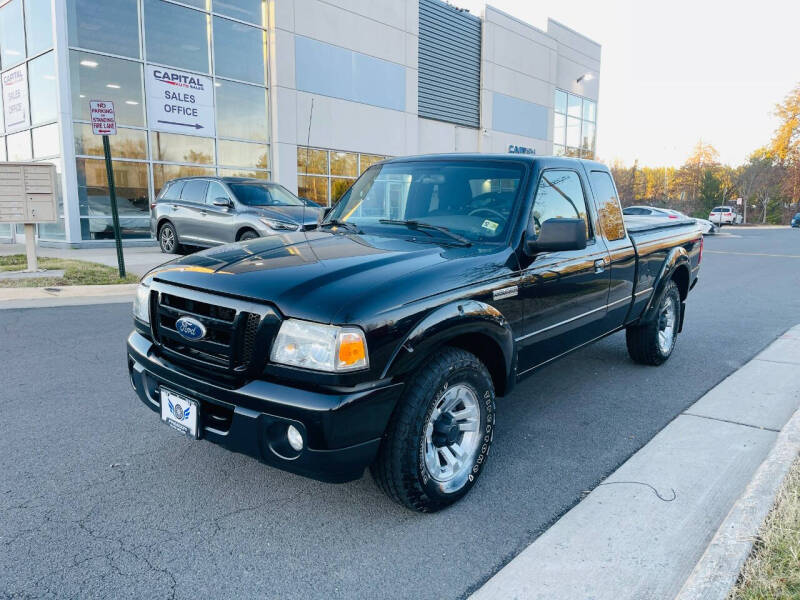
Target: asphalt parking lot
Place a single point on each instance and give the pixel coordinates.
(99, 499)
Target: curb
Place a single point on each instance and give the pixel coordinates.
(719, 567)
(39, 297)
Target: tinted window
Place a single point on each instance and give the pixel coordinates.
(38, 26)
(244, 10)
(241, 111)
(12, 34)
(238, 51)
(257, 194)
(173, 190)
(187, 49)
(114, 28)
(42, 82)
(560, 196)
(113, 79)
(283, 196)
(215, 190)
(607, 205)
(194, 191)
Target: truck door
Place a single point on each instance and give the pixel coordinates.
(565, 293)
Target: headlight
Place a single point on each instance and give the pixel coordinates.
(141, 304)
(279, 225)
(320, 347)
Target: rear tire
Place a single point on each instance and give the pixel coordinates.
(652, 343)
(168, 239)
(439, 437)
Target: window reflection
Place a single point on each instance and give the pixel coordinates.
(172, 147)
(119, 81)
(245, 10)
(313, 188)
(243, 154)
(128, 143)
(344, 163)
(243, 173)
(45, 141)
(12, 34)
(113, 29)
(19, 146)
(38, 26)
(187, 49)
(43, 92)
(310, 160)
(241, 111)
(239, 51)
(130, 179)
(163, 173)
(574, 125)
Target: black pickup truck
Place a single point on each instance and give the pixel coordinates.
(383, 337)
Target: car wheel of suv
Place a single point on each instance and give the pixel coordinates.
(168, 239)
(652, 343)
(439, 437)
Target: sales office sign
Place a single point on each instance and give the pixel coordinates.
(15, 98)
(179, 102)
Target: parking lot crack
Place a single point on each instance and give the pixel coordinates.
(655, 491)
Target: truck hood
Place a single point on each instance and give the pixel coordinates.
(335, 277)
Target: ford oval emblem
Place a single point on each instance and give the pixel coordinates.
(190, 328)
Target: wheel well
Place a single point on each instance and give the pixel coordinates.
(490, 354)
(161, 224)
(681, 279)
(242, 231)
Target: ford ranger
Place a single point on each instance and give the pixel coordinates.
(382, 338)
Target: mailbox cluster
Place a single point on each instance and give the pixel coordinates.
(27, 193)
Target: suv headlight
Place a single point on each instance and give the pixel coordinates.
(279, 225)
(320, 347)
(141, 303)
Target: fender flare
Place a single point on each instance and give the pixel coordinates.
(444, 324)
(677, 258)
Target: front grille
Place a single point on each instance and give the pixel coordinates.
(236, 332)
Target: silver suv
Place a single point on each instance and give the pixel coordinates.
(206, 211)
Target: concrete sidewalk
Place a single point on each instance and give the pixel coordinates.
(641, 532)
(138, 260)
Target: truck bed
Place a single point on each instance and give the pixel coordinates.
(636, 224)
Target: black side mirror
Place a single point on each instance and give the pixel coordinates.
(557, 234)
(223, 202)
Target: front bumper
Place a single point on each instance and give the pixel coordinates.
(342, 429)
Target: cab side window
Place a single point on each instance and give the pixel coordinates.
(608, 206)
(172, 191)
(215, 190)
(559, 196)
(194, 191)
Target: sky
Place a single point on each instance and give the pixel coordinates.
(673, 73)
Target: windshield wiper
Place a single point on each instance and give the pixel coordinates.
(343, 224)
(412, 224)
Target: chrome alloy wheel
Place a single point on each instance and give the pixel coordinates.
(167, 239)
(667, 320)
(452, 438)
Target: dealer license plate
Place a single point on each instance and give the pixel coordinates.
(180, 413)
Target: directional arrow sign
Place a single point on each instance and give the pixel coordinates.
(179, 101)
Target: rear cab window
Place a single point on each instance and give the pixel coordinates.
(560, 196)
(611, 222)
(172, 190)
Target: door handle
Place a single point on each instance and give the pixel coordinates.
(599, 265)
(174, 207)
(203, 212)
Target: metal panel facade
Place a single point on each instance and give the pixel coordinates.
(449, 64)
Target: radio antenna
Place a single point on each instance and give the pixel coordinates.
(308, 149)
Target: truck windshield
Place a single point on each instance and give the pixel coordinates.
(471, 199)
(262, 194)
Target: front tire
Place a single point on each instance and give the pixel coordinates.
(439, 437)
(652, 343)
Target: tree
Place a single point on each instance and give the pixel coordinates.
(785, 145)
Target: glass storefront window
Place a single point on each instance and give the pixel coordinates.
(574, 127)
(338, 187)
(243, 173)
(103, 228)
(573, 132)
(313, 188)
(54, 231)
(120, 81)
(561, 102)
(241, 111)
(367, 160)
(128, 143)
(251, 11)
(43, 92)
(239, 51)
(589, 110)
(310, 160)
(112, 28)
(164, 173)
(19, 146)
(172, 147)
(45, 141)
(574, 106)
(344, 163)
(12, 34)
(242, 154)
(38, 26)
(587, 137)
(187, 49)
(559, 129)
(130, 179)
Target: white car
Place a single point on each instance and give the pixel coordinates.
(651, 211)
(724, 215)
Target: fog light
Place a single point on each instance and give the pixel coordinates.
(295, 438)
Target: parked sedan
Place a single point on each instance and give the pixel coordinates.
(650, 211)
(206, 211)
(796, 220)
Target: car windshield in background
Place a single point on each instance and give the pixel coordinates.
(471, 199)
(261, 194)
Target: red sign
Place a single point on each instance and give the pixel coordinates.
(103, 121)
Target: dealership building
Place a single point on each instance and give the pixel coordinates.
(307, 93)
